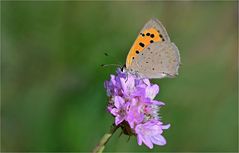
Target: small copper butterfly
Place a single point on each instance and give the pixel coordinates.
(153, 55)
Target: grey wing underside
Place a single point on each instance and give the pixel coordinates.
(158, 60)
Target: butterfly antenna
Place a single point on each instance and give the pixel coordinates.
(106, 65)
(115, 59)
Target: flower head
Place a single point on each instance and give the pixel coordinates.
(151, 133)
(131, 102)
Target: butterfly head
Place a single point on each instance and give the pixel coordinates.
(123, 68)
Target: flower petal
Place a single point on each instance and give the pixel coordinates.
(159, 140)
(166, 126)
(118, 120)
(114, 111)
(152, 91)
(148, 142)
(139, 139)
(142, 133)
(118, 101)
(158, 102)
(139, 92)
(112, 79)
(128, 84)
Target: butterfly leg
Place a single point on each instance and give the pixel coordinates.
(126, 77)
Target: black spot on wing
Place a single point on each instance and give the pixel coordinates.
(141, 44)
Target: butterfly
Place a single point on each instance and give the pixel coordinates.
(153, 55)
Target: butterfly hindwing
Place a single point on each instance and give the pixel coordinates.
(158, 60)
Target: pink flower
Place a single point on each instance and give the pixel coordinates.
(131, 102)
(151, 133)
(151, 91)
(120, 109)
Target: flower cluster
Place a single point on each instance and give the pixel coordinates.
(134, 108)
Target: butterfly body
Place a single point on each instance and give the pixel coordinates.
(153, 55)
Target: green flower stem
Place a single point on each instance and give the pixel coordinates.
(101, 145)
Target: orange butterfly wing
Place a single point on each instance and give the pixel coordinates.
(145, 38)
(153, 31)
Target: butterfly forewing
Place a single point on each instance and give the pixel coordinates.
(158, 26)
(153, 31)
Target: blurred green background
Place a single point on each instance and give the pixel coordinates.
(53, 97)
